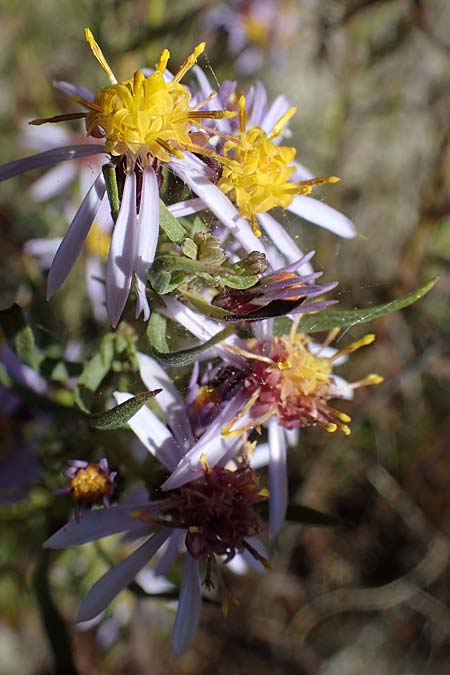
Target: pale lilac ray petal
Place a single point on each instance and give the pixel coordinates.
(263, 330)
(238, 564)
(71, 245)
(222, 125)
(173, 548)
(211, 444)
(259, 105)
(189, 605)
(187, 207)
(53, 182)
(277, 477)
(292, 436)
(73, 90)
(44, 137)
(203, 329)
(94, 525)
(278, 108)
(284, 242)
(197, 324)
(341, 388)
(117, 578)
(260, 456)
(48, 157)
(327, 352)
(122, 252)
(169, 399)
(153, 434)
(219, 204)
(153, 584)
(323, 215)
(252, 562)
(148, 225)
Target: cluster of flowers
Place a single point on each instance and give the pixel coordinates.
(226, 150)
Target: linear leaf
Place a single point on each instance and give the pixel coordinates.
(170, 225)
(120, 414)
(335, 318)
(185, 357)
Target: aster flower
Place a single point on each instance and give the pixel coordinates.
(268, 176)
(256, 28)
(211, 518)
(283, 383)
(90, 484)
(145, 121)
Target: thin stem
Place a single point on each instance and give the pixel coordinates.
(109, 174)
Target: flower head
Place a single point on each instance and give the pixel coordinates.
(264, 180)
(210, 519)
(216, 510)
(145, 117)
(90, 484)
(290, 378)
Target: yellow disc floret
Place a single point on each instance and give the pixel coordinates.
(90, 485)
(263, 180)
(145, 118)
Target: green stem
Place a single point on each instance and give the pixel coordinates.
(109, 174)
(54, 625)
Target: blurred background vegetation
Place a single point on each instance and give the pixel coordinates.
(371, 82)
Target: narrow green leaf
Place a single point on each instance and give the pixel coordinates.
(335, 318)
(120, 414)
(185, 357)
(170, 225)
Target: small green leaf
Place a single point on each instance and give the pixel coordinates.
(156, 333)
(26, 348)
(240, 282)
(185, 357)
(120, 414)
(161, 281)
(99, 366)
(335, 318)
(189, 248)
(170, 225)
(19, 335)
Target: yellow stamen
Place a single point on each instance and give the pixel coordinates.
(331, 427)
(163, 60)
(263, 180)
(369, 380)
(204, 462)
(363, 342)
(278, 127)
(190, 61)
(242, 121)
(97, 52)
